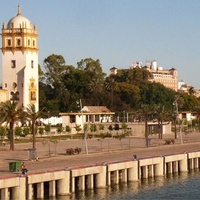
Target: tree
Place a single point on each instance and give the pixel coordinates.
(138, 76)
(129, 95)
(191, 90)
(95, 75)
(10, 113)
(32, 116)
(145, 113)
(161, 114)
(76, 83)
(110, 86)
(156, 93)
(188, 102)
(55, 70)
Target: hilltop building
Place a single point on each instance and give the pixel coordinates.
(169, 78)
(20, 60)
(183, 87)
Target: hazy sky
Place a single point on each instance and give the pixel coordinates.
(117, 32)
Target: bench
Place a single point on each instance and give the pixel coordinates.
(73, 151)
(169, 141)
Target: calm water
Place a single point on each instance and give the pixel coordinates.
(184, 186)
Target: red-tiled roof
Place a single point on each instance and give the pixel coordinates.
(96, 109)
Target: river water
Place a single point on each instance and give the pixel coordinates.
(183, 186)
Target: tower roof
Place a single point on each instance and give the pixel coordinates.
(19, 21)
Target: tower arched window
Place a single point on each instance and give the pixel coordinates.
(18, 42)
(9, 42)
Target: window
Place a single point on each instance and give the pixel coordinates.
(33, 42)
(33, 97)
(29, 43)
(5, 85)
(14, 96)
(13, 63)
(9, 42)
(97, 118)
(18, 42)
(32, 64)
(14, 85)
(72, 119)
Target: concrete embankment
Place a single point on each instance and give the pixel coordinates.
(71, 179)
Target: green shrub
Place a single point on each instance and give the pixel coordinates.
(3, 131)
(68, 129)
(60, 128)
(47, 128)
(26, 131)
(18, 131)
(41, 130)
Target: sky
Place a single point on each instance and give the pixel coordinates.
(117, 32)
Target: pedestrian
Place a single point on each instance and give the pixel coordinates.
(23, 168)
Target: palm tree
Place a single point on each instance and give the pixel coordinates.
(173, 117)
(32, 116)
(10, 113)
(110, 86)
(145, 113)
(161, 115)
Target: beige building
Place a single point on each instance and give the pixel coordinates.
(20, 60)
(88, 114)
(169, 78)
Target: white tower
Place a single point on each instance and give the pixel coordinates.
(20, 60)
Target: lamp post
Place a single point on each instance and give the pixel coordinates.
(177, 115)
(85, 135)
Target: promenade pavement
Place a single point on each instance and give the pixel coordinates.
(52, 156)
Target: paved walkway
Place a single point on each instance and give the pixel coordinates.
(52, 155)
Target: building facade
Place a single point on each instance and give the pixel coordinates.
(20, 60)
(87, 115)
(169, 78)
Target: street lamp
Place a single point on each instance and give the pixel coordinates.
(177, 115)
(85, 135)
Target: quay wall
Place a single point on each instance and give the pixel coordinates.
(69, 180)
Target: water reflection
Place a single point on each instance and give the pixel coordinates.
(177, 186)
